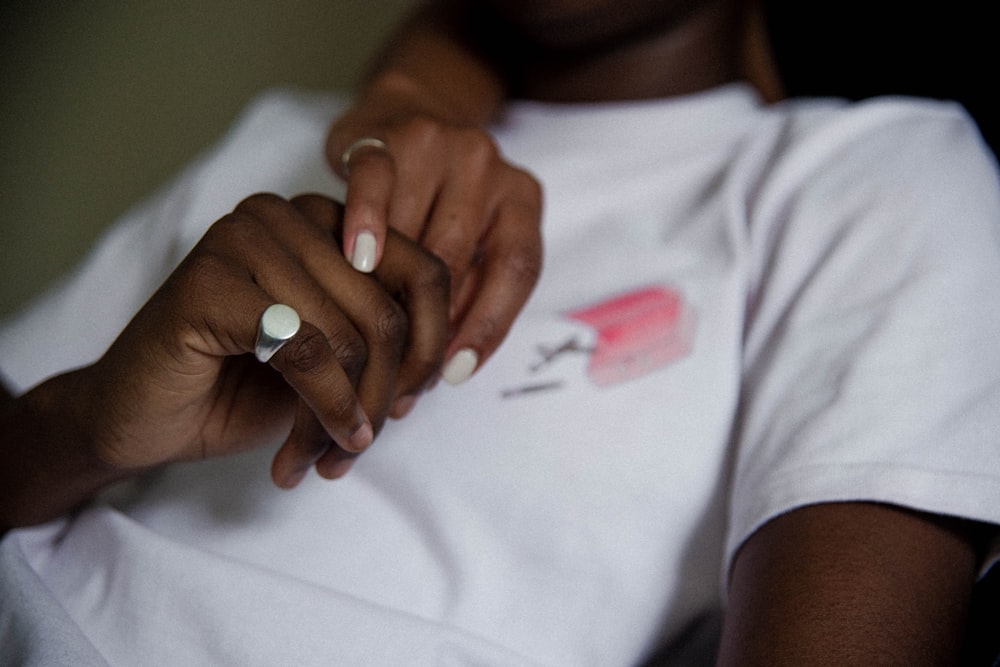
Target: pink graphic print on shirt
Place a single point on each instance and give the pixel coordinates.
(637, 333)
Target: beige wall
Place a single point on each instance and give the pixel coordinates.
(102, 100)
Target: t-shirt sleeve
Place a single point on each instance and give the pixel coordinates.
(872, 345)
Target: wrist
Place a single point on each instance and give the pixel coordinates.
(395, 92)
(49, 450)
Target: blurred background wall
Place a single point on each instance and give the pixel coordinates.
(101, 101)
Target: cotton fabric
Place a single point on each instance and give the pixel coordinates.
(744, 309)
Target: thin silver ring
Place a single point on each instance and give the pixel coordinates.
(278, 325)
(363, 142)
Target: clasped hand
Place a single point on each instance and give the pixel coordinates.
(181, 382)
(446, 185)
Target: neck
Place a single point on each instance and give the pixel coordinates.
(701, 50)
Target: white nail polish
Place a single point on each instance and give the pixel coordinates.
(460, 367)
(363, 258)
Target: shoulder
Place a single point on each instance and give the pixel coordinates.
(887, 138)
(913, 166)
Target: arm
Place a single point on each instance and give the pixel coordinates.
(441, 179)
(180, 384)
(438, 61)
(851, 584)
(46, 471)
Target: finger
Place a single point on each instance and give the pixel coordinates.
(371, 179)
(422, 163)
(492, 296)
(307, 362)
(305, 445)
(379, 318)
(335, 463)
(419, 281)
(323, 360)
(461, 216)
(311, 367)
(287, 253)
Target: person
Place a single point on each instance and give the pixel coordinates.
(758, 373)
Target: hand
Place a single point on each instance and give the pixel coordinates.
(446, 186)
(181, 383)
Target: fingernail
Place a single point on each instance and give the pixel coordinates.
(402, 406)
(360, 439)
(460, 367)
(293, 480)
(363, 258)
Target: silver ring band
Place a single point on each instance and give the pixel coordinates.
(363, 142)
(277, 326)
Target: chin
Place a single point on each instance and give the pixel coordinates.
(589, 24)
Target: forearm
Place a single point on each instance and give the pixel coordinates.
(48, 464)
(851, 584)
(438, 62)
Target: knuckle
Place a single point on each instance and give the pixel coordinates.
(321, 212)
(391, 324)
(240, 237)
(261, 202)
(315, 204)
(524, 265)
(448, 254)
(343, 409)
(200, 270)
(423, 130)
(478, 146)
(306, 353)
(351, 353)
(487, 328)
(234, 230)
(529, 189)
(434, 276)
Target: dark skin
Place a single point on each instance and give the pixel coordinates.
(596, 51)
(180, 384)
(845, 583)
(837, 583)
(852, 584)
(445, 76)
(442, 182)
(370, 345)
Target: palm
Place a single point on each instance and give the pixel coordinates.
(249, 405)
(165, 408)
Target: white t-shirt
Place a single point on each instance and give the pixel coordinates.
(744, 309)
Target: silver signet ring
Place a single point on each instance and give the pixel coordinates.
(278, 325)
